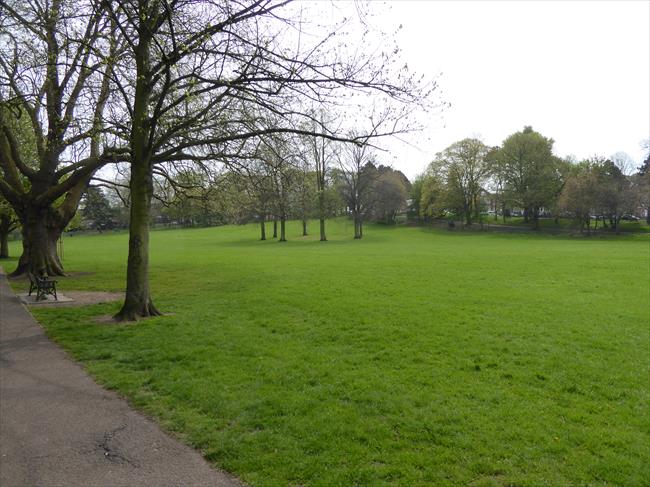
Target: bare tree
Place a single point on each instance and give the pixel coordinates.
(318, 154)
(208, 76)
(276, 153)
(357, 174)
(56, 59)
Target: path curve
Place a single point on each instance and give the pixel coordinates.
(59, 428)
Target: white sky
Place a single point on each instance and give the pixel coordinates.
(577, 71)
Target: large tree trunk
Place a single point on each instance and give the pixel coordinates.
(275, 228)
(323, 237)
(138, 303)
(4, 245)
(282, 230)
(6, 226)
(262, 230)
(304, 228)
(41, 230)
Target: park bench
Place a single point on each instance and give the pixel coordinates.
(43, 286)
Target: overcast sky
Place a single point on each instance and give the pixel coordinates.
(578, 72)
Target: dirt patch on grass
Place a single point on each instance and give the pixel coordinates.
(84, 298)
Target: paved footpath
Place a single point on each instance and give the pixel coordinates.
(59, 428)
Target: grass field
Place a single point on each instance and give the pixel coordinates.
(412, 357)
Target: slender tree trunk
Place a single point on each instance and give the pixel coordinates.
(323, 238)
(41, 230)
(304, 228)
(357, 232)
(275, 228)
(262, 230)
(321, 208)
(282, 230)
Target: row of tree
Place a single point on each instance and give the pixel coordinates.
(280, 187)
(524, 175)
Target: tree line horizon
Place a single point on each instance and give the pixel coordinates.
(461, 183)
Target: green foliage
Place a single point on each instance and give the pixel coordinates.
(409, 358)
(532, 174)
(415, 195)
(580, 193)
(599, 187)
(464, 171)
(432, 197)
(390, 191)
(96, 211)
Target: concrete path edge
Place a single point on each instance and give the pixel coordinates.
(60, 428)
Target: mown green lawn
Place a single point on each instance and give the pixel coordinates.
(412, 357)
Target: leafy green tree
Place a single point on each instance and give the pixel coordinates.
(615, 192)
(642, 183)
(464, 171)
(97, 209)
(390, 191)
(532, 175)
(580, 195)
(415, 197)
(432, 199)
